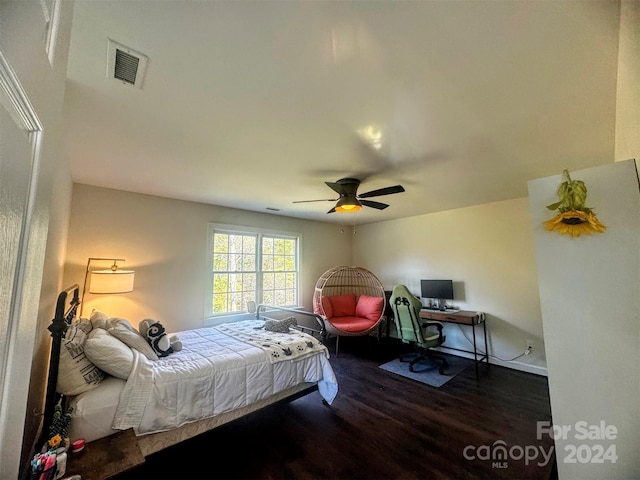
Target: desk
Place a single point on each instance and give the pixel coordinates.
(462, 317)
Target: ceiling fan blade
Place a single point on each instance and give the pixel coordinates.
(332, 210)
(337, 187)
(320, 200)
(372, 204)
(382, 191)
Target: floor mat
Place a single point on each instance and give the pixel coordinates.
(427, 372)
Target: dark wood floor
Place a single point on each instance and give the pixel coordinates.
(381, 426)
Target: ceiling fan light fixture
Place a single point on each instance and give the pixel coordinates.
(350, 201)
(348, 204)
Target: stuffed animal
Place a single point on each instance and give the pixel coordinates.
(157, 337)
(280, 326)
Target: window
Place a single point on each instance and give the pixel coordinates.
(252, 266)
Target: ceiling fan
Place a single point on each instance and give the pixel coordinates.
(349, 199)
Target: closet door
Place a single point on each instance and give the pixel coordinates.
(20, 139)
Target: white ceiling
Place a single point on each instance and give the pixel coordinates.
(254, 104)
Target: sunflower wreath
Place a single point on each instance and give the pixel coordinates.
(574, 218)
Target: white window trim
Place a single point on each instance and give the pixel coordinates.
(208, 313)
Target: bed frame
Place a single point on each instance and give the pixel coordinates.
(66, 308)
(320, 332)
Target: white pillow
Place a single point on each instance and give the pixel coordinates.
(76, 373)
(108, 353)
(99, 319)
(112, 322)
(132, 338)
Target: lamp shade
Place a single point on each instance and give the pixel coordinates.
(110, 281)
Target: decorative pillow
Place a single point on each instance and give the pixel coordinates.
(157, 338)
(112, 322)
(326, 306)
(343, 305)
(99, 319)
(108, 353)
(76, 373)
(280, 326)
(83, 324)
(133, 339)
(370, 307)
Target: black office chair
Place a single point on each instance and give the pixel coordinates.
(416, 331)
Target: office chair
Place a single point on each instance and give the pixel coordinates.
(416, 331)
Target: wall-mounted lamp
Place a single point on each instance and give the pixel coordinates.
(109, 281)
(348, 204)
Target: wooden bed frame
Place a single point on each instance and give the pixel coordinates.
(66, 308)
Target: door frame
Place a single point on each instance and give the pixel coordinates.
(17, 353)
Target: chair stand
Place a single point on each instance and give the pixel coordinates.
(338, 341)
(415, 358)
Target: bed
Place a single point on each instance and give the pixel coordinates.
(221, 373)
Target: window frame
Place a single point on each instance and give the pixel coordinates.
(259, 233)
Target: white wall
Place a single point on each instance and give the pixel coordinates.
(165, 242)
(486, 249)
(22, 30)
(628, 85)
(488, 252)
(21, 40)
(591, 309)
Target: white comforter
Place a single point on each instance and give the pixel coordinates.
(212, 374)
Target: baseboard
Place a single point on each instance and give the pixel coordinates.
(524, 367)
(514, 365)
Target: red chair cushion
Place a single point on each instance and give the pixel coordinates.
(326, 306)
(343, 305)
(370, 307)
(352, 324)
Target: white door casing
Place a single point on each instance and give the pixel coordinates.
(20, 143)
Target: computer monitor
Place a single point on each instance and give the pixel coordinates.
(440, 290)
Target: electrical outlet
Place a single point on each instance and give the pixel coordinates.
(530, 347)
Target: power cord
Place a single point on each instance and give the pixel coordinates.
(526, 352)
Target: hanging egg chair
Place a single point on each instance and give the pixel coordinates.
(350, 300)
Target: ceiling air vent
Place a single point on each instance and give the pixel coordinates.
(125, 64)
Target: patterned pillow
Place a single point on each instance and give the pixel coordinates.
(76, 373)
(280, 326)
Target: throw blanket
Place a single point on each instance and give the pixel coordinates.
(279, 346)
(213, 373)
